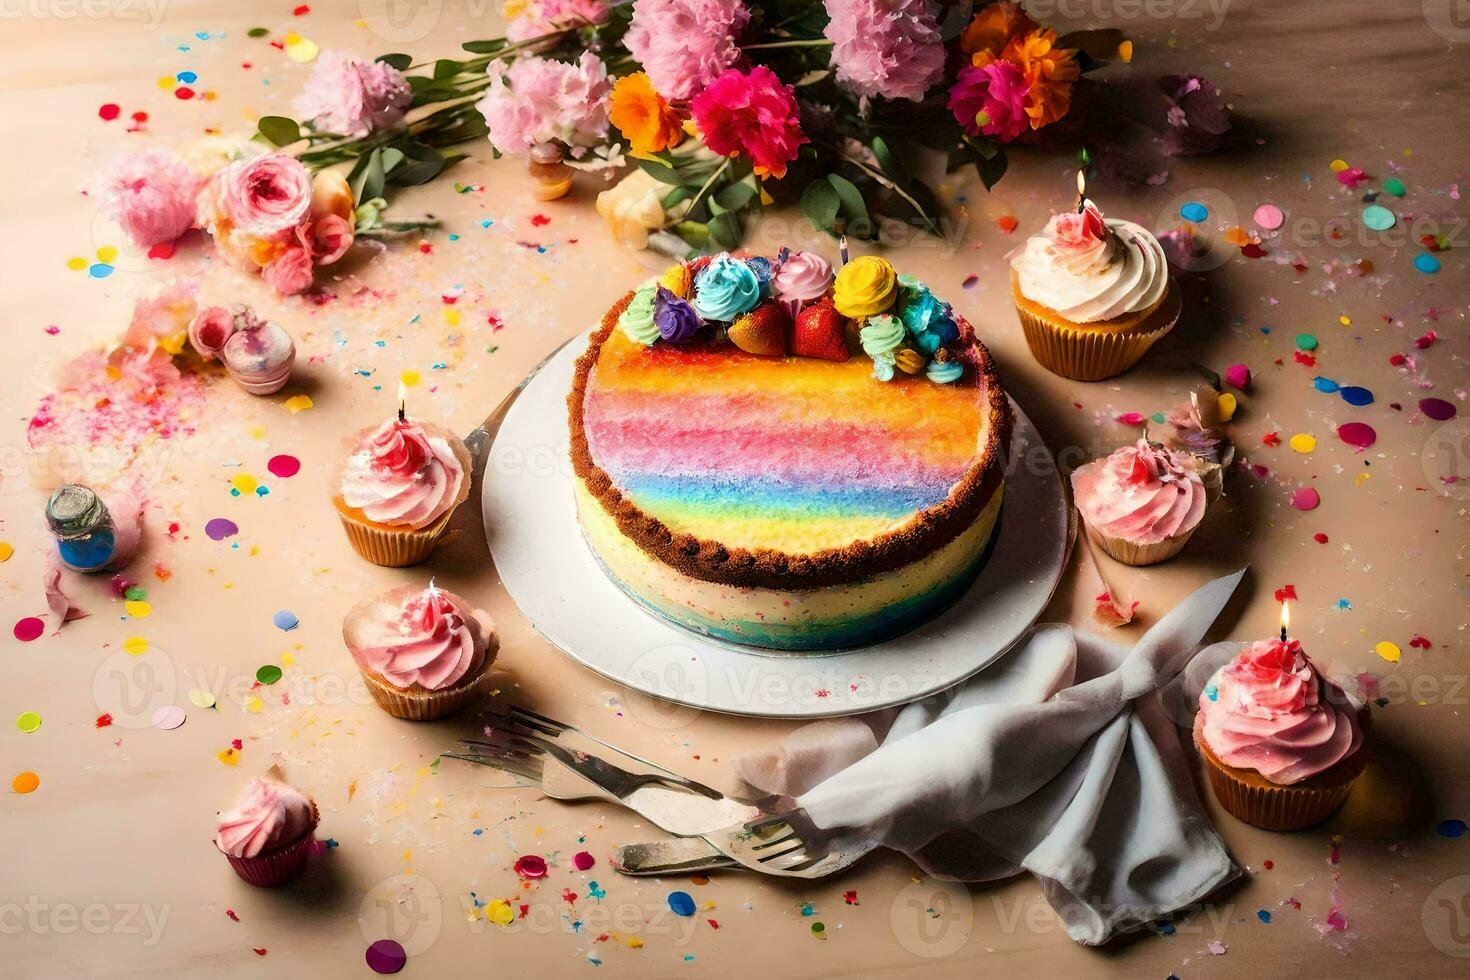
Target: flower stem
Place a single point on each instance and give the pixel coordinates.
(694, 203)
(816, 42)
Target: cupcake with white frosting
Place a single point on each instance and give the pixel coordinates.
(398, 488)
(1093, 294)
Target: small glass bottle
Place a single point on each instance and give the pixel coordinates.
(82, 526)
(551, 177)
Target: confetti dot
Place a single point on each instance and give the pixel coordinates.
(1238, 376)
(6, 550)
(1437, 409)
(201, 698)
(1306, 498)
(1227, 405)
(1194, 211)
(135, 646)
(1269, 217)
(168, 717)
(108, 111)
(183, 93)
(297, 403)
(1306, 341)
(76, 263)
(500, 912)
(1356, 396)
(28, 721)
(1394, 186)
(386, 956)
(1451, 828)
(286, 620)
(1303, 443)
(268, 674)
(165, 82)
(284, 466)
(681, 903)
(1359, 435)
(411, 379)
(1325, 385)
(187, 77)
(138, 608)
(26, 782)
(300, 50)
(1338, 166)
(1388, 650)
(583, 860)
(1426, 263)
(531, 866)
(220, 528)
(99, 270)
(244, 483)
(29, 629)
(1378, 217)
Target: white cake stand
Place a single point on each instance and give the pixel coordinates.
(531, 527)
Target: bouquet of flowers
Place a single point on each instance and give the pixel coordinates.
(723, 107)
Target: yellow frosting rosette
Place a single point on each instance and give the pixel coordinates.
(865, 286)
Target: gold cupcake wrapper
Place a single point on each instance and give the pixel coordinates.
(1273, 807)
(1136, 553)
(1091, 354)
(427, 705)
(395, 547)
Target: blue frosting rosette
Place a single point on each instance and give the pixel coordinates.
(726, 288)
(930, 321)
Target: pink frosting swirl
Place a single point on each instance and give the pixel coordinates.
(403, 475)
(268, 814)
(425, 637)
(804, 276)
(1270, 710)
(1143, 493)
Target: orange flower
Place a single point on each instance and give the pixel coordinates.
(990, 31)
(1050, 72)
(642, 115)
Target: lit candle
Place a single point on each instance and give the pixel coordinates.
(402, 400)
(1081, 190)
(842, 248)
(1285, 619)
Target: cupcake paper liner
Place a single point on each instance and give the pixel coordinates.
(1138, 553)
(276, 867)
(1248, 796)
(1092, 353)
(427, 705)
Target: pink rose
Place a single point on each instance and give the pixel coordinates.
(266, 196)
(327, 238)
(290, 272)
(209, 330)
(1074, 231)
(151, 195)
(351, 97)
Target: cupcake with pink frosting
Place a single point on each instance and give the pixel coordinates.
(398, 487)
(425, 653)
(1141, 503)
(1282, 742)
(266, 834)
(802, 279)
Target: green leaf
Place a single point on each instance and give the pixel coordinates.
(886, 160)
(446, 68)
(820, 203)
(853, 204)
(368, 183)
(279, 130)
(992, 170)
(725, 230)
(399, 61)
(257, 32)
(693, 232)
(676, 196)
(484, 47)
(422, 164)
(1100, 45)
(392, 157)
(735, 196)
(660, 171)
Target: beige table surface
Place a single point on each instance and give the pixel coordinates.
(108, 868)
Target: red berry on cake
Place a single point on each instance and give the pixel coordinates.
(819, 332)
(762, 330)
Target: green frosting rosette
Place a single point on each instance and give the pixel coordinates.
(636, 322)
(880, 336)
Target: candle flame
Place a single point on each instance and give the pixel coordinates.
(1285, 616)
(402, 399)
(1081, 183)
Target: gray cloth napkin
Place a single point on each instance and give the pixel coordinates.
(1057, 761)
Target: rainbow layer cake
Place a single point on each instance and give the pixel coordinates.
(781, 457)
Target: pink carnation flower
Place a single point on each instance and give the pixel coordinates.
(999, 92)
(290, 272)
(751, 113)
(887, 48)
(351, 97)
(684, 44)
(535, 100)
(543, 17)
(151, 195)
(263, 198)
